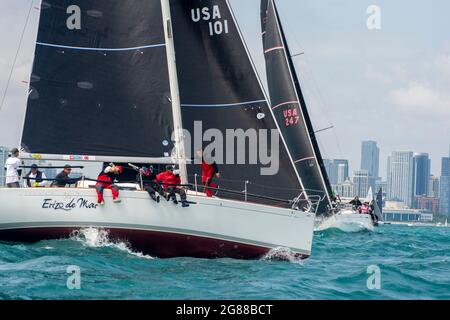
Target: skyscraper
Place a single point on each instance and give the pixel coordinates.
(362, 182)
(422, 167)
(370, 158)
(342, 173)
(444, 193)
(337, 170)
(401, 177)
(445, 167)
(328, 164)
(3, 157)
(433, 187)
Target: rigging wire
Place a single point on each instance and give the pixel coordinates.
(16, 55)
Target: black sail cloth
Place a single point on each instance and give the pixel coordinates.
(289, 107)
(219, 87)
(100, 82)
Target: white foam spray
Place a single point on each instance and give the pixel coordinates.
(99, 238)
(282, 254)
(343, 225)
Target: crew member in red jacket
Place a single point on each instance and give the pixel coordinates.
(170, 181)
(105, 180)
(209, 172)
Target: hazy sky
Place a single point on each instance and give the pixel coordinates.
(389, 85)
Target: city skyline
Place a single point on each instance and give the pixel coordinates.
(383, 166)
(371, 85)
(409, 181)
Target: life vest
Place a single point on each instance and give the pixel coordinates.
(168, 179)
(365, 209)
(208, 171)
(106, 177)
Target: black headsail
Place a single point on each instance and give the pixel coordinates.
(220, 88)
(288, 105)
(100, 83)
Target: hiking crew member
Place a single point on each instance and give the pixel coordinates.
(148, 177)
(62, 179)
(170, 182)
(35, 178)
(13, 172)
(105, 180)
(209, 172)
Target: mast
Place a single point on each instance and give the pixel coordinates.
(174, 91)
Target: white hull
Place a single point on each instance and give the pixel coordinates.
(209, 228)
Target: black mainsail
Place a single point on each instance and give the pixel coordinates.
(219, 86)
(100, 83)
(288, 105)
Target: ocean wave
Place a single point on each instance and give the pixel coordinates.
(99, 238)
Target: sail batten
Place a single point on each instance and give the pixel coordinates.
(238, 104)
(100, 49)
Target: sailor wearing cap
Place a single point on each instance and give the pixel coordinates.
(62, 179)
(105, 180)
(35, 178)
(12, 167)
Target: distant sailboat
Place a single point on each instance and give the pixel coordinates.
(369, 196)
(291, 113)
(115, 89)
(289, 107)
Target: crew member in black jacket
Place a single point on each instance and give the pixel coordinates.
(63, 179)
(147, 177)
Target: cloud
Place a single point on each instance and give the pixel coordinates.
(386, 75)
(442, 63)
(420, 99)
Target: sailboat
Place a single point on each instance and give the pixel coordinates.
(118, 81)
(291, 112)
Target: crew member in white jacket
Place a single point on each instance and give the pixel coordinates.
(13, 171)
(35, 178)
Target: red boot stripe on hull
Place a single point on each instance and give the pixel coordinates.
(154, 243)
